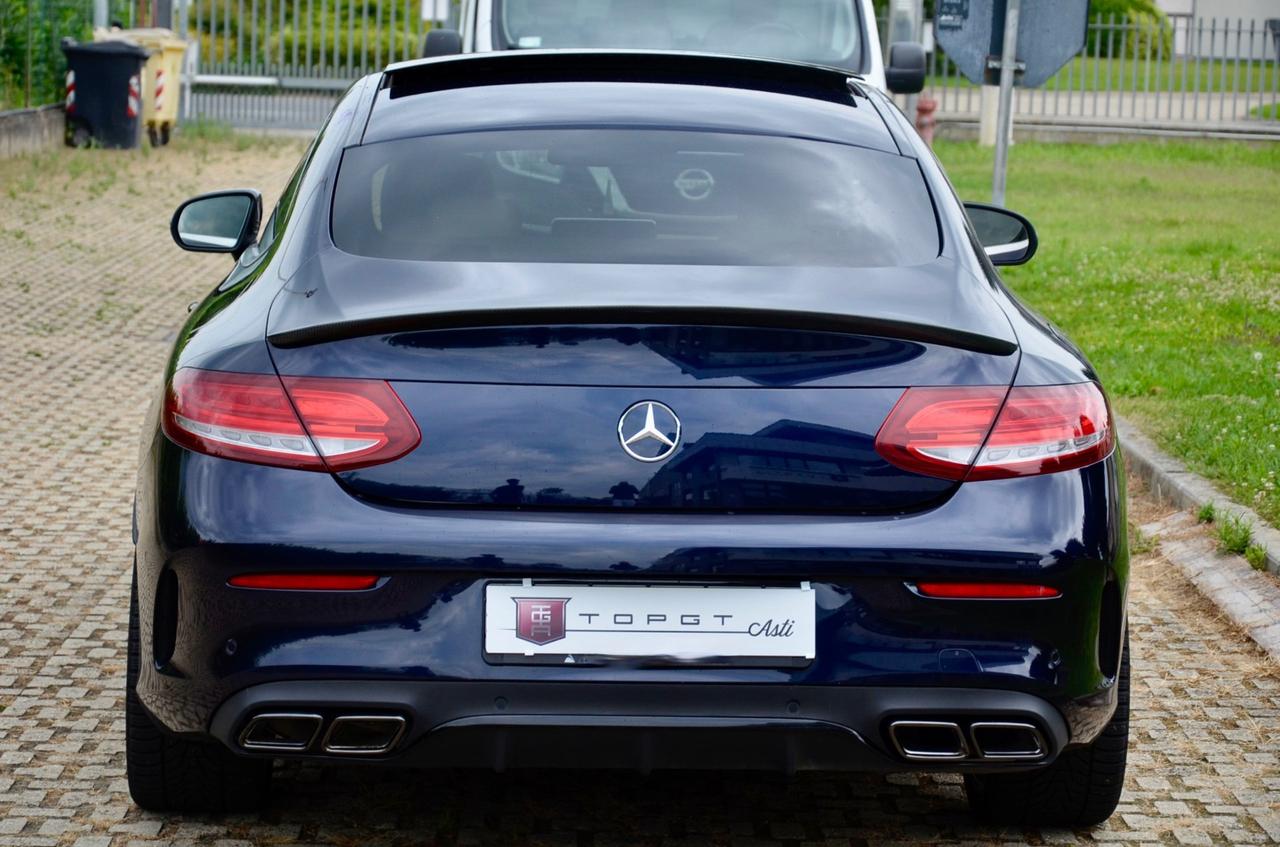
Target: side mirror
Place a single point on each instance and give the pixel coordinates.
(1007, 237)
(220, 222)
(441, 42)
(905, 72)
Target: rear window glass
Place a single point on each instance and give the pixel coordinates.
(636, 197)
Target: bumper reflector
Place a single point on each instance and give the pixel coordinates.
(985, 591)
(305, 581)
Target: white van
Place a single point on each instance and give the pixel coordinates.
(839, 33)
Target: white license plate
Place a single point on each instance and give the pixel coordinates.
(681, 621)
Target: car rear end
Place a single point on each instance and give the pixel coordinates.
(561, 457)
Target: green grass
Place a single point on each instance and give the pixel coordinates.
(1235, 535)
(1161, 262)
(1206, 514)
(1256, 556)
(1266, 112)
(1203, 75)
(1139, 542)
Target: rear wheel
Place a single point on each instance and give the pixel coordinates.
(169, 773)
(1081, 788)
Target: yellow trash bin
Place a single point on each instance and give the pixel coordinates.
(160, 76)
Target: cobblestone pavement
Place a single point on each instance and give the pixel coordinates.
(90, 289)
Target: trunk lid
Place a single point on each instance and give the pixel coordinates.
(519, 377)
(770, 420)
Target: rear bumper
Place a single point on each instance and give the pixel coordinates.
(202, 520)
(501, 725)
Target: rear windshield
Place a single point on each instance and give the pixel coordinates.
(825, 32)
(636, 197)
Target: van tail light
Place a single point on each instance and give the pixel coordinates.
(978, 433)
(309, 423)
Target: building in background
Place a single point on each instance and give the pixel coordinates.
(1244, 29)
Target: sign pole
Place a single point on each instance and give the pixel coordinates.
(1008, 61)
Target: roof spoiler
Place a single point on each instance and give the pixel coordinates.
(647, 315)
(676, 68)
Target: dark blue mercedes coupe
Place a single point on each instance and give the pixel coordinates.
(625, 410)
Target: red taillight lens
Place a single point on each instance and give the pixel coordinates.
(966, 432)
(304, 581)
(349, 423)
(1045, 430)
(938, 431)
(354, 423)
(986, 591)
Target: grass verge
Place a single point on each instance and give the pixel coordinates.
(1160, 261)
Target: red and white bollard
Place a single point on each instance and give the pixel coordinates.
(71, 91)
(925, 120)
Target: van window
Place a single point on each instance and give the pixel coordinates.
(825, 32)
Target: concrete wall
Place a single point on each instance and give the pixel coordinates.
(30, 130)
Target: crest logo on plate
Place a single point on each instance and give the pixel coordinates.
(695, 184)
(649, 431)
(540, 620)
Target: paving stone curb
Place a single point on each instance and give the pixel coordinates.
(1251, 599)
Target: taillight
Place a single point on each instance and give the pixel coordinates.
(319, 424)
(938, 431)
(966, 432)
(1045, 430)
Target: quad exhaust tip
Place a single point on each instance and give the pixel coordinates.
(363, 735)
(1007, 740)
(347, 735)
(931, 741)
(286, 732)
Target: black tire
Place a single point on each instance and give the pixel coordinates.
(1081, 788)
(170, 773)
(153, 135)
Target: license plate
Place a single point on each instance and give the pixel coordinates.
(686, 622)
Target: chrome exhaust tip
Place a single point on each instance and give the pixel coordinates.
(363, 735)
(928, 740)
(284, 732)
(1008, 740)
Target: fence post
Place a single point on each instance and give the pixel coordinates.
(1248, 69)
(26, 95)
(1235, 75)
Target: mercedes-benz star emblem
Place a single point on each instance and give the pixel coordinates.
(649, 431)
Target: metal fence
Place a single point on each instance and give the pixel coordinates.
(282, 63)
(1183, 74)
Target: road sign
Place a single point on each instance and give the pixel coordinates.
(1050, 33)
